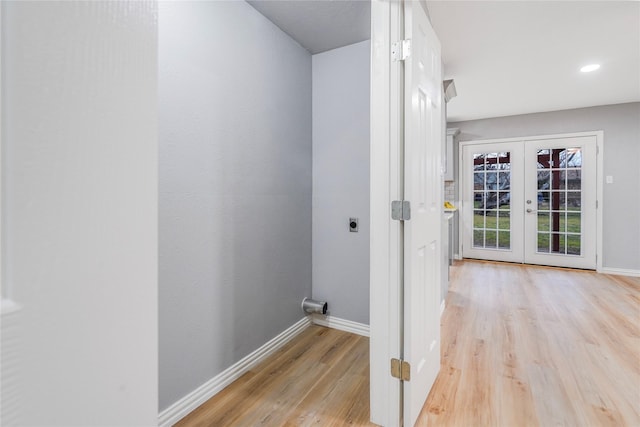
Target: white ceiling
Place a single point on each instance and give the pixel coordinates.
(512, 58)
(319, 25)
(507, 57)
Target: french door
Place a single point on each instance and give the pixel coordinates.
(531, 201)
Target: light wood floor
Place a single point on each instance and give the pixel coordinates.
(320, 378)
(521, 346)
(537, 346)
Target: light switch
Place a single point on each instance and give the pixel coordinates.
(609, 179)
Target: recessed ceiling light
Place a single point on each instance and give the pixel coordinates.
(589, 68)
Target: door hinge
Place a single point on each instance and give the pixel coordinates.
(400, 50)
(596, 204)
(400, 369)
(401, 210)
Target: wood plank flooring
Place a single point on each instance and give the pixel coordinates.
(320, 378)
(521, 346)
(537, 346)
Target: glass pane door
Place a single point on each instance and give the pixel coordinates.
(560, 205)
(531, 201)
(493, 211)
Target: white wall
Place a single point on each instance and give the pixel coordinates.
(235, 187)
(341, 180)
(79, 140)
(621, 204)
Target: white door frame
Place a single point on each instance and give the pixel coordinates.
(599, 135)
(3, 291)
(386, 241)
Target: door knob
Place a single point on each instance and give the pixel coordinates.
(530, 210)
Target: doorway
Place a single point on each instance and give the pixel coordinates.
(532, 200)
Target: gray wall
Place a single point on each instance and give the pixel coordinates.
(235, 187)
(80, 208)
(621, 204)
(341, 180)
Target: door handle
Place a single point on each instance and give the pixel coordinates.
(530, 210)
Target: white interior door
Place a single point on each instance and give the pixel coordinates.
(422, 237)
(531, 201)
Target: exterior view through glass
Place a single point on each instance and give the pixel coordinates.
(492, 200)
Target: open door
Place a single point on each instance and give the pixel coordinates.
(406, 145)
(422, 187)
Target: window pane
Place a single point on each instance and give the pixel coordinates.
(574, 179)
(478, 181)
(573, 244)
(544, 180)
(491, 200)
(561, 176)
(543, 221)
(504, 200)
(478, 238)
(557, 243)
(543, 200)
(504, 180)
(478, 219)
(554, 224)
(573, 222)
(490, 239)
(491, 219)
(478, 198)
(504, 220)
(573, 158)
(543, 242)
(504, 240)
(491, 181)
(563, 222)
(543, 159)
(505, 161)
(558, 200)
(574, 199)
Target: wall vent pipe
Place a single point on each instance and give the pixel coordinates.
(311, 306)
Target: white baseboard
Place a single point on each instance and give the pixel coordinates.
(190, 402)
(620, 271)
(341, 324)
